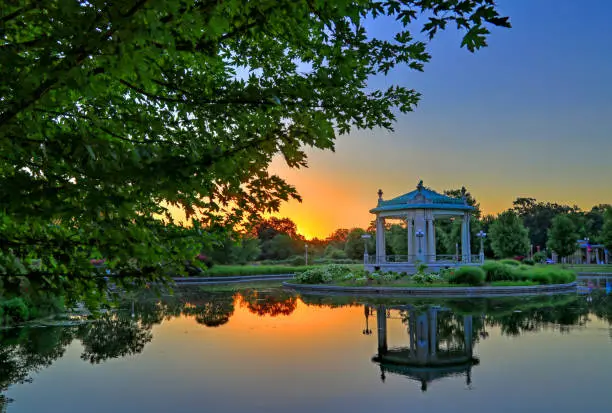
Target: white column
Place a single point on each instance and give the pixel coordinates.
(431, 246)
(468, 240)
(463, 239)
(380, 240)
(410, 239)
(606, 259)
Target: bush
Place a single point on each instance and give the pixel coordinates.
(552, 276)
(324, 275)
(418, 278)
(496, 271)
(528, 261)
(515, 263)
(297, 261)
(15, 309)
(311, 276)
(539, 257)
(335, 253)
(468, 275)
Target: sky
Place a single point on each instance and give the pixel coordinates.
(528, 116)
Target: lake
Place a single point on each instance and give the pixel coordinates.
(268, 350)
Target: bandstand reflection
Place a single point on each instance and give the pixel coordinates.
(440, 343)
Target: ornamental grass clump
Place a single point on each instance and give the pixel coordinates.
(496, 271)
(468, 275)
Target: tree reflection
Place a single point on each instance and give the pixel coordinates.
(111, 337)
(213, 313)
(27, 351)
(271, 303)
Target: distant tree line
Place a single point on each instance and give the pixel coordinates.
(529, 225)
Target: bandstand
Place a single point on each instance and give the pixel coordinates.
(420, 209)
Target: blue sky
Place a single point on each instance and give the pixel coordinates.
(530, 115)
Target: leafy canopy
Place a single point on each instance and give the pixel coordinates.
(562, 236)
(509, 237)
(111, 111)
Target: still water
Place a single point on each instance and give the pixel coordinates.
(267, 350)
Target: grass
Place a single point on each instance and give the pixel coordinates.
(233, 270)
(587, 268)
(512, 283)
(233, 287)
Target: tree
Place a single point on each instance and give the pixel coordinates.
(606, 230)
(538, 216)
(509, 237)
(112, 111)
(280, 247)
(269, 228)
(397, 239)
(470, 200)
(562, 236)
(338, 238)
(355, 245)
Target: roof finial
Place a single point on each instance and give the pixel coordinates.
(420, 185)
(380, 194)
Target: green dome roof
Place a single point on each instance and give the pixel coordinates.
(422, 198)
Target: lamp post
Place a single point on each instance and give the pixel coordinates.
(588, 253)
(482, 235)
(367, 331)
(306, 254)
(419, 234)
(365, 238)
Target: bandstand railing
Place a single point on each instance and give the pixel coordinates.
(423, 259)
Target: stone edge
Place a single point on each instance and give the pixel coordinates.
(434, 291)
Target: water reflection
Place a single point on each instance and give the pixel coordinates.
(438, 337)
(441, 344)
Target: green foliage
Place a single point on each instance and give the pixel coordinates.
(538, 216)
(562, 236)
(497, 271)
(334, 253)
(539, 257)
(511, 262)
(606, 231)
(421, 267)
(421, 278)
(508, 235)
(15, 309)
(528, 261)
(468, 275)
(396, 237)
(298, 260)
(113, 113)
(281, 247)
(355, 245)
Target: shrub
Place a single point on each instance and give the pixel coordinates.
(552, 276)
(496, 271)
(15, 309)
(510, 262)
(539, 257)
(337, 271)
(311, 276)
(421, 268)
(418, 278)
(528, 261)
(298, 260)
(468, 275)
(388, 277)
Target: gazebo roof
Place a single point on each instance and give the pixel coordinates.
(421, 198)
